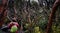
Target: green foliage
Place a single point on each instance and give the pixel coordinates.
(26, 25)
(55, 29)
(37, 16)
(36, 30)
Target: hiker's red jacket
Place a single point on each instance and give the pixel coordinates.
(12, 24)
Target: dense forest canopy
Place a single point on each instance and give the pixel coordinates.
(32, 15)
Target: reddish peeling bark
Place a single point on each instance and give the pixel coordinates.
(2, 11)
(49, 25)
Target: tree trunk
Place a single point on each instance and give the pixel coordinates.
(3, 11)
(57, 2)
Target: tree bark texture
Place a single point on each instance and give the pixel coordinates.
(2, 11)
(49, 25)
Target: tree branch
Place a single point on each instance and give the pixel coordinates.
(49, 25)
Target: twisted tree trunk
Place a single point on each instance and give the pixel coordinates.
(3, 11)
(56, 4)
